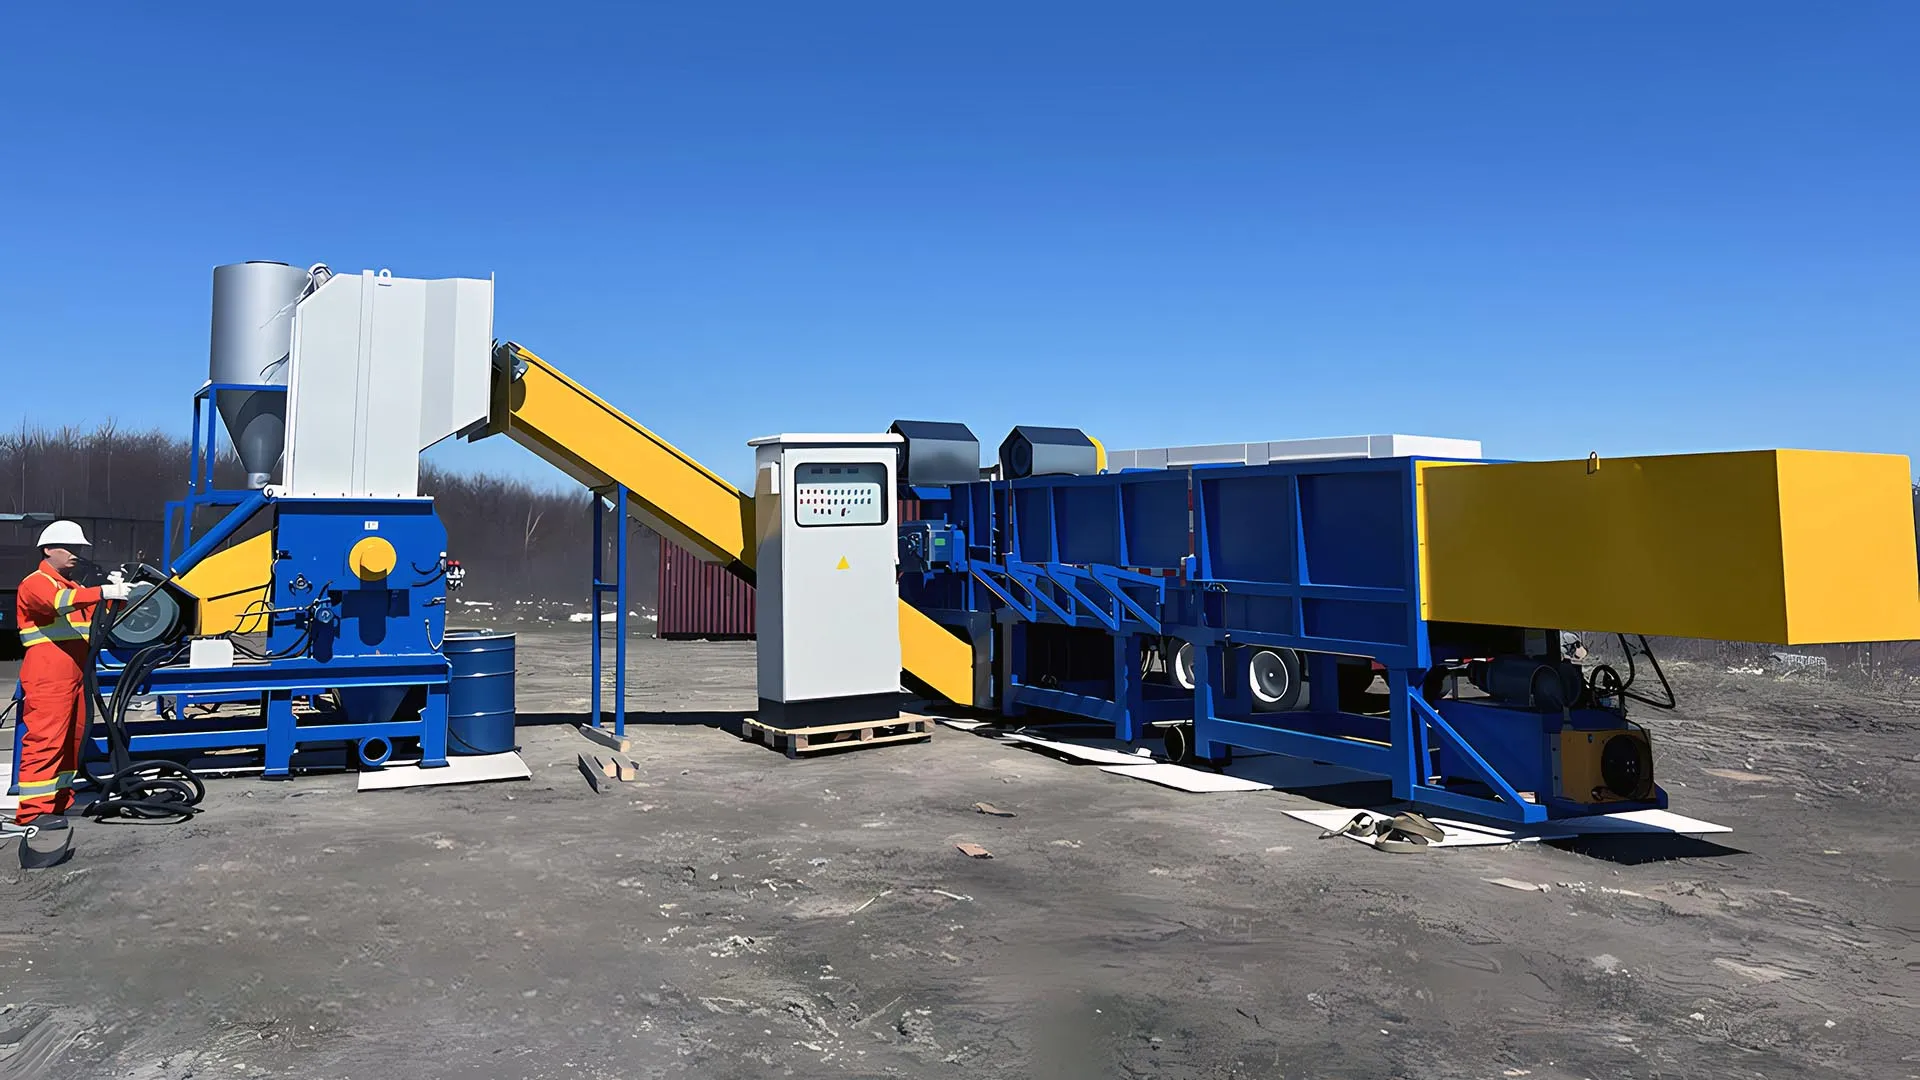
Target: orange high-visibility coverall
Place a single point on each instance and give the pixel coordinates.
(55, 618)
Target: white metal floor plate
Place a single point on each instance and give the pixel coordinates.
(1642, 822)
(1199, 781)
(1262, 772)
(459, 770)
(1280, 771)
(1254, 772)
(1479, 834)
(1081, 752)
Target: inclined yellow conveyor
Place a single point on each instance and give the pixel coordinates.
(593, 442)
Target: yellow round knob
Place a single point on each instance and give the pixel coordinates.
(372, 558)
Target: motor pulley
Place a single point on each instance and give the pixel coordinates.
(1626, 766)
(151, 615)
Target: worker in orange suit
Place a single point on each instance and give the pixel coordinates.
(55, 616)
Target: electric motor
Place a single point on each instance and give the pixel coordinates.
(150, 615)
(1529, 682)
(1605, 766)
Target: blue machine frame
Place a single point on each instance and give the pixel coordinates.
(368, 644)
(1318, 557)
(372, 647)
(610, 502)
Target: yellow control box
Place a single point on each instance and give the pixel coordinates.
(1785, 547)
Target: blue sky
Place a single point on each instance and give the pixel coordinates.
(1624, 227)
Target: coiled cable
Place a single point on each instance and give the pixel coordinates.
(152, 790)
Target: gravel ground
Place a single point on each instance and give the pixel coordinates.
(736, 914)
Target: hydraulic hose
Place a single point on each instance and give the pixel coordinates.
(151, 790)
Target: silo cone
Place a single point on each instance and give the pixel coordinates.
(252, 337)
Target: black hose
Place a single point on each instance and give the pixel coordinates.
(438, 571)
(1626, 688)
(299, 647)
(241, 622)
(151, 790)
(1603, 684)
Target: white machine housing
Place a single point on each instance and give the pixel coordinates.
(826, 596)
(1267, 453)
(383, 367)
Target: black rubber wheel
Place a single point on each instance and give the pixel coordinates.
(1273, 678)
(1178, 739)
(1180, 664)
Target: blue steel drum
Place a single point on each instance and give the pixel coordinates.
(480, 697)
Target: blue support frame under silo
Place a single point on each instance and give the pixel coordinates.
(203, 456)
(611, 502)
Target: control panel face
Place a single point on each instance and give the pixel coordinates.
(840, 494)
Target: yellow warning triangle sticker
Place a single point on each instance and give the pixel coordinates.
(843, 563)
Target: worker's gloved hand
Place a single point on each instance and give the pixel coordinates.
(115, 577)
(116, 591)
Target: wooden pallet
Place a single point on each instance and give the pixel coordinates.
(796, 741)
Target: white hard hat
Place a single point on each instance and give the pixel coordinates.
(63, 534)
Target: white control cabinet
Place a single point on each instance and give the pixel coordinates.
(827, 599)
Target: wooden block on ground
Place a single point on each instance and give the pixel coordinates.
(625, 769)
(596, 777)
(974, 851)
(607, 738)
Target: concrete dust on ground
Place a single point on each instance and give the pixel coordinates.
(737, 914)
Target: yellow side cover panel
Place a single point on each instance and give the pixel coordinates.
(1848, 544)
(228, 581)
(1781, 546)
(598, 445)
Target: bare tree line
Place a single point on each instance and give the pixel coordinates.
(519, 542)
(516, 541)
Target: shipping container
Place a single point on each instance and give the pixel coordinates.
(702, 600)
